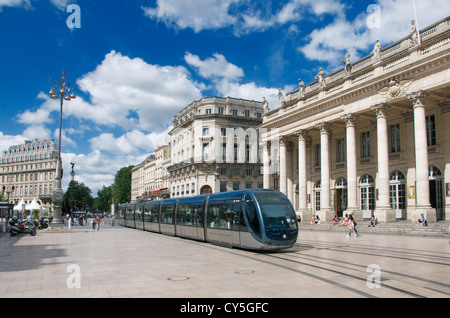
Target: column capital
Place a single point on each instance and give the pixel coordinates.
(324, 127)
(350, 119)
(380, 110)
(284, 140)
(302, 134)
(417, 98)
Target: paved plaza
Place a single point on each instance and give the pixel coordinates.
(122, 262)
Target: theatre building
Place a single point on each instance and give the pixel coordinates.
(371, 138)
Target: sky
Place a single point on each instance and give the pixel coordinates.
(134, 64)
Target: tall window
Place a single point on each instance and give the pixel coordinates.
(317, 191)
(367, 195)
(205, 131)
(397, 193)
(365, 146)
(224, 151)
(394, 131)
(206, 152)
(340, 155)
(317, 155)
(431, 130)
(247, 153)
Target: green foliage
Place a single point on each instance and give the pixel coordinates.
(104, 199)
(77, 196)
(121, 189)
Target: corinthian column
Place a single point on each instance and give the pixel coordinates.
(303, 136)
(352, 182)
(383, 210)
(326, 213)
(421, 149)
(283, 167)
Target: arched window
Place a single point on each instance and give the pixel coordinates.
(436, 191)
(341, 196)
(397, 194)
(367, 188)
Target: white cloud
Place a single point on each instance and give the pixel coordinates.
(195, 14)
(134, 141)
(133, 94)
(242, 16)
(226, 79)
(332, 42)
(214, 67)
(61, 4)
(14, 3)
(7, 141)
(96, 169)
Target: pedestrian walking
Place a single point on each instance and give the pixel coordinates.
(350, 216)
(93, 222)
(98, 220)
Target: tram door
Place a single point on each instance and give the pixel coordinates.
(235, 219)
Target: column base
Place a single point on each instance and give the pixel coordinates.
(326, 215)
(428, 212)
(305, 214)
(385, 215)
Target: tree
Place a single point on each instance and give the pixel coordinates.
(104, 199)
(77, 196)
(121, 189)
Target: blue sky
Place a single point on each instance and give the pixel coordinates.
(137, 63)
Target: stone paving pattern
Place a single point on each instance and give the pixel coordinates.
(122, 262)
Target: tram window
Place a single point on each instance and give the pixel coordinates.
(190, 215)
(277, 212)
(252, 215)
(151, 213)
(138, 213)
(121, 212)
(167, 213)
(130, 213)
(220, 215)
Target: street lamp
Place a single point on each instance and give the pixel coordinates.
(63, 88)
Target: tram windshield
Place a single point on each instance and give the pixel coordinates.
(277, 212)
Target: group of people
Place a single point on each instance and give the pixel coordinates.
(95, 220)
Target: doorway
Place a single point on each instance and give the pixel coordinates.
(341, 197)
(436, 191)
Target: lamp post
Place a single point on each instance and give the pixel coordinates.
(63, 88)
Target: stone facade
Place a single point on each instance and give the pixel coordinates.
(370, 138)
(28, 171)
(214, 147)
(150, 179)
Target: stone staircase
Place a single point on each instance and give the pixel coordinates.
(402, 227)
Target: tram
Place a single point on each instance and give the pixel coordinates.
(255, 219)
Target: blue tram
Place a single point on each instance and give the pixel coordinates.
(256, 219)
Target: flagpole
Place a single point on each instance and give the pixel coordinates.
(417, 23)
